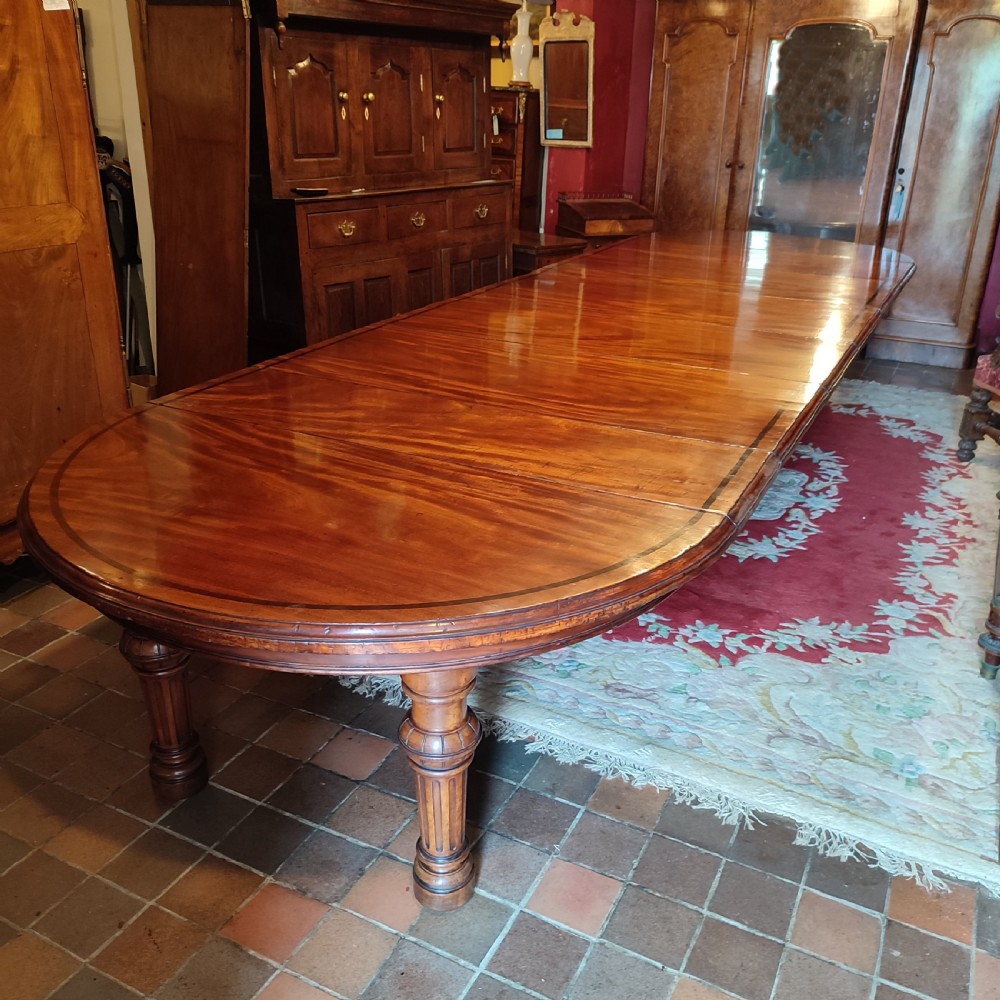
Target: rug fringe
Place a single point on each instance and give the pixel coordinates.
(727, 808)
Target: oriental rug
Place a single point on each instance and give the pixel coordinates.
(825, 669)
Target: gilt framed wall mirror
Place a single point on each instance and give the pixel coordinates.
(566, 53)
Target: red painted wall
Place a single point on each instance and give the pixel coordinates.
(623, 33)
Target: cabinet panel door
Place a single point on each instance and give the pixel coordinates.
(850, 85)
(460, 83)
(944, 214)
(345, 297)
(310, 111)
(423, 279)
(694, 107)
(475, 265)
(392, 80)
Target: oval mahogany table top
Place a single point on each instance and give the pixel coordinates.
(498, 474)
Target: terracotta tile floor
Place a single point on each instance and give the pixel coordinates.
(288, 878)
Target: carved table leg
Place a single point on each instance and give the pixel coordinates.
(177, 767)
(440, 736)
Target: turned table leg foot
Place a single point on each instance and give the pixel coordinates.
(178, 767)
(440, 736)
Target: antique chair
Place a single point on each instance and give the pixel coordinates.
(978, 421)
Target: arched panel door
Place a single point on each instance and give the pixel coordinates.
(392, 75)
(460, 95)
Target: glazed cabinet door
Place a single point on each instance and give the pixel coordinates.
(392, 77)
(947, 186)
(694, 109)
(824, 90)
(312, 110)
(461, 111)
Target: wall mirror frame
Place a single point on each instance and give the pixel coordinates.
(566, 54)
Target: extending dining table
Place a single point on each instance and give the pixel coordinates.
(484, 479)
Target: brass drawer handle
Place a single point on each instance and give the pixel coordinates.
(417, 220)
(368, 97)
(481, 211)
(497, 140)
(347, 228)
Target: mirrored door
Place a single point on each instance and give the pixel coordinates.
(824, 91)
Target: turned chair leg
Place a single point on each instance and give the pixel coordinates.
(975, 420)
(178, 767)
(989, 641)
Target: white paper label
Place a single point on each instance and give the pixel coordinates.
(55, 4)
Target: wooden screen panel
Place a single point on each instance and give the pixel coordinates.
(198, 77)
(61, 364)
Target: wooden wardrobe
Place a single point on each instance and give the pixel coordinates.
(946, 199)
(61, 361)
(931, 181)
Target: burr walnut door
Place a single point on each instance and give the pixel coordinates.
(694, 110)
(61, 365)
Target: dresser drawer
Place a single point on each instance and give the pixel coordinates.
(416, 218)
(485, 208)
(503, 143)
(502, 170)
(346, 227)
(504, 107)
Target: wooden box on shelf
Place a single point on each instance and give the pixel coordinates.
(601, 218)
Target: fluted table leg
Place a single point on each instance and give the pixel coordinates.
(440, 736)
(178, 767)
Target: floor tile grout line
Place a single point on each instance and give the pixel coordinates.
(790, 929)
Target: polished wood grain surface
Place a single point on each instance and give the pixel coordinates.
(499, 474)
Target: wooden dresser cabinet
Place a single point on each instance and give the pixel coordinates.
(517, 151)
(371, 191)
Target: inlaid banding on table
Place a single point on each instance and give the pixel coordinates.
(537, 522)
